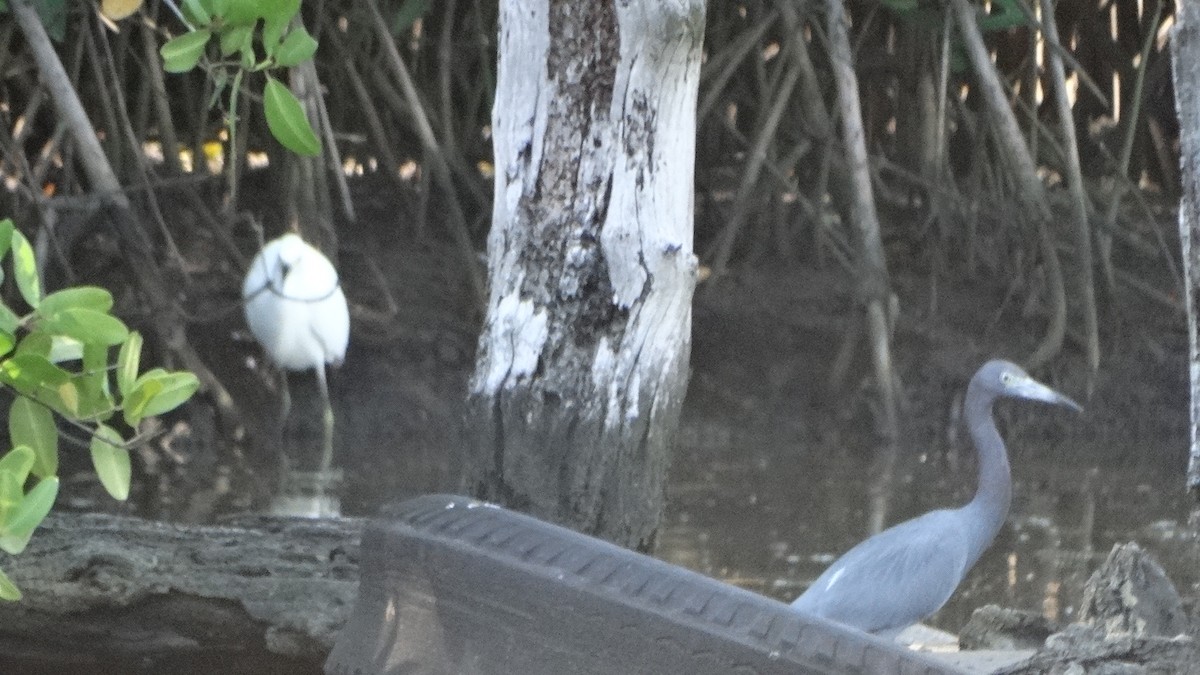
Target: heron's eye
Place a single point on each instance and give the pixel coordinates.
(1006, 378)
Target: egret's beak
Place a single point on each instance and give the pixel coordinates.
(1029, 388)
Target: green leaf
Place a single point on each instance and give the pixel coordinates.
(87, 326)
(34, 376)
(53, 348)
(277, 16)
(68, 399)
(28, 371)
(24, 519)
(92, 407)
(277, 10)
(181, 54)
(152, 374)
(8, 319)
(287, 121)
(237, 12)
(95, 394)
(198, 12)
(134, 406)
(249, 62)
(272, 34)
(298, 46)
(128, 362)
(95, 358)
(6, 230)
(18, 462)
(111, 460)
(237, 39)
(12, 492)
(37, 343)
(81, 297)
(409, 12)
(7, 342)
(176, 388)
(25, 268)
(8, 590)
(31, 424)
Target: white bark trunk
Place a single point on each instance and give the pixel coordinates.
(582, 364)
(1185, 53)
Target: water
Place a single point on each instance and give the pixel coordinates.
(771, 519)
(770, 481)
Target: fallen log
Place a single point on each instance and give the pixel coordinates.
(117, 594)
(270, 595)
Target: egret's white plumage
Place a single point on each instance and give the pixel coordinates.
(296, 310)
(295, 306)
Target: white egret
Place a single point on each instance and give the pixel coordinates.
(296, 310)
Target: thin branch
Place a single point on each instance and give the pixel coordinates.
(765, 137)
(69, 107)
(1079, 202)
(162, 106)
(1031, 193)
(433, 154)
(872, 267)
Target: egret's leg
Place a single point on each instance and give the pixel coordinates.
(285, 400)
(327, 447)
(285, 410)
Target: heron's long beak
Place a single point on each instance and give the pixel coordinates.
(1032, 389)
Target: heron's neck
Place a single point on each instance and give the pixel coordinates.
(989, 508)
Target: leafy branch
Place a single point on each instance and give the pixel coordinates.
(252, 37)
(56, 358)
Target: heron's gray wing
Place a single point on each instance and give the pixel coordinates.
(894, 579)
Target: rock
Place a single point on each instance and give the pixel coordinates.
(1132, 621)
(993, 627)
(1082, 649)
(1130, 594)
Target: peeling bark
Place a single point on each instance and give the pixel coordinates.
(1185, 53)
(582, 363)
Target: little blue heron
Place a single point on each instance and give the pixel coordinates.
(297, 311)
(907, 572)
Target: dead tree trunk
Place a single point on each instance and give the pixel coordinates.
(582, 364)
(1185, 59)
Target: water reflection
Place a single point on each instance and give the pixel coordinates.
(308, 494)
(771, 522)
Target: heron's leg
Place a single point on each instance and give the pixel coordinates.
(327, 447)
